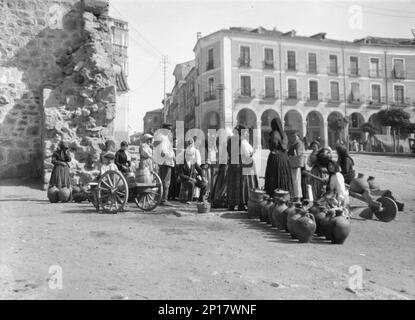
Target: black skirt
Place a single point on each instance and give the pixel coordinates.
(240, 185)
(278, 173)
(218, 197)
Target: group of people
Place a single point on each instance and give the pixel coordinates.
(227, 174)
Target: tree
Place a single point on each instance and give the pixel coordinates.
(396, 119)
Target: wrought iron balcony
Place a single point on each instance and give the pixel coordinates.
(375, 73)
(396, 102)
(376, 101)
(312, 69)
(291, 67)
(269, 64)
(244, 62)
(338, 99)
(292, 96)
(274, 95)
(244, 94)
(358, 100)
(354, 72)
(313, 97)
(396, 74)
(209, 96)
(333, 71)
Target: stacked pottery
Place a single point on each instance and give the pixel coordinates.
(305, 227)
(294, 212)
(319, 213)
(53, 195)
(340, 227)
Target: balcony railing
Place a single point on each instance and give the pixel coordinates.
(312, 69)
(358, 100)
(332, 71)
(210, 66)
(396, 74)
(313, 97)
(375, 73)
(269, 64)
(209, 96)
(270, 95)
(334, 99)
(291, 67)
(400, 102)
(245, 94)
(291, 96)
(354, 72)
(244, 62)
(376, 101)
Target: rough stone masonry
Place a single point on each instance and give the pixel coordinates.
(57, 82)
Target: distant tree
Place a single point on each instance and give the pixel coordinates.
(396, 119)
(367, 127)
(337, 123)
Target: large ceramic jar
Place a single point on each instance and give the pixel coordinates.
(359, 184)
(294, 212)
(325, 224)
(319, 213)
(53, 195)
(64, 194)
(280, 207)
(340, 227)
(305, 227)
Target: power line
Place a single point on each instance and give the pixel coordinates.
(367, 11)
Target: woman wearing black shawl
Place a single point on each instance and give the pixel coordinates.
(278, 171)
(345, 163)
(61, 176)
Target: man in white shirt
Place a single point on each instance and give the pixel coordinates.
(164, 157)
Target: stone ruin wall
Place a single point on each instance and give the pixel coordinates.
(56, 82)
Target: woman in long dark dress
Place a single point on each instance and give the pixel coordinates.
(240, 181)
(278, 171)
(61, 175)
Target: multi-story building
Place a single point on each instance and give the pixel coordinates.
(251, 76)
(153, 120)
(119, 37)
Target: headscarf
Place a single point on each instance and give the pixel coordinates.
(343, 154)
(63, 146)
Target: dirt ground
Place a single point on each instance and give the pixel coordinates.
(175, 254)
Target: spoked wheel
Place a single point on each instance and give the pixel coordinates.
(150, 198)
(112, 192)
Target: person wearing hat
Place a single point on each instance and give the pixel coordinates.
(61, 176)
(108, 163)
(146, 152)
(163, 155)
(123, 159)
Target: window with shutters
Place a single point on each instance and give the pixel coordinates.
(355, 92)
(333, 68)
(399, 94)
(398, 69)
(313, 90)
(292, 89)
(291, 63)
(246, 86)
(374, 70)
(269, 58)
(210, 63)
(245, 57)
(354, 66)
(334, 91)
(269, 87)
(312, 63)
(376, 93)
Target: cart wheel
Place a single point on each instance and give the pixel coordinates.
(112, 192)
(388, 210)
(151, 197)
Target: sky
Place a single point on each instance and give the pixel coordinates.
(169, 27)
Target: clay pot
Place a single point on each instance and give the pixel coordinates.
(325, 225)
(264, 210)
(64, 195)
(359, 184)
(294, 212)
(280, 207)
(305, 227)
(282, 194)
(53, 195)
(253, 209)
(340, 227)
(257, 195)
(319, 213)
(144, 176)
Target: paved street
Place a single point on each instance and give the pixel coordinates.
(175, 254)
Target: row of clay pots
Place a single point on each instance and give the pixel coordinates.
(302, 224)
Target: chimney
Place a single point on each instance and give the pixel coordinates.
(199, 35)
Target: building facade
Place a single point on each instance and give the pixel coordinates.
(153, 120)
(251, 76)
